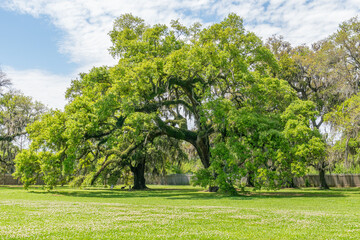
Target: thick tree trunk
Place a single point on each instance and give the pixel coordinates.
(202, 147)
(139, 175)
(213, 189)
(290, 183)
(250, 180)
(323, 184)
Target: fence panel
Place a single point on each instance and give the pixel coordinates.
(333, 180)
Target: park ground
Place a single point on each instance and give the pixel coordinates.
(178, 212)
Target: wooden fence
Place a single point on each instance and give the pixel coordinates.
(172, 179)
(8, 179)
(333, 180)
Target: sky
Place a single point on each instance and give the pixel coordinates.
(44, 44)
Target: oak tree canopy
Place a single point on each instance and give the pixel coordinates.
(213, 87)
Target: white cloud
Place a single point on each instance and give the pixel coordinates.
(42, 86)
(299, 21)
(87, 22)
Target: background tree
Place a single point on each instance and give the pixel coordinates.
(4, 81)
(327, 73)
(346, 119)
(16, 112)
(346, 43)
(343, 117)
(315, 74)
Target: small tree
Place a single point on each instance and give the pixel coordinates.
(307, 145)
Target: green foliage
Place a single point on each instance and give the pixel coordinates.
(29, 168)
(203, 178)
(307, 145)
(251, 149)
(268, 149)
(340, 168)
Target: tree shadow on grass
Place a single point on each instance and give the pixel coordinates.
(11, 186)
(195, 194)
(117, 193)
(352, 190)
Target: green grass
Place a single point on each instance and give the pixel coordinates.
(173, 212)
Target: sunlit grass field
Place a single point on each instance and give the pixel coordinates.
(178, 212)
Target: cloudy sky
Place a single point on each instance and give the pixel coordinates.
(46, 43)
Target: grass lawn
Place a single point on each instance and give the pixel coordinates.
(178, 212)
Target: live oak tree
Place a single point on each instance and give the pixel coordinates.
(192, 84)
(220, 63)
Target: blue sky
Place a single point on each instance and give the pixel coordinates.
(46, 43)
(32, 43)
